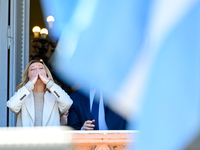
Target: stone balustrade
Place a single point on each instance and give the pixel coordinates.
(103, 140)
(63, 138)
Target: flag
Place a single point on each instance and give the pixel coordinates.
(145, 55)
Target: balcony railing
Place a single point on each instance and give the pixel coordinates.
(64, 139)
(103, 140)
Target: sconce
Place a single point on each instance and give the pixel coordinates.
(44, 33)
(43, 47)
(50, 20)
(36, 31)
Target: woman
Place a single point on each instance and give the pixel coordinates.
(39, 101)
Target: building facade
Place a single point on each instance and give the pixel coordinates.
(14, 52)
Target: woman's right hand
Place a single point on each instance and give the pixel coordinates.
(34, 78)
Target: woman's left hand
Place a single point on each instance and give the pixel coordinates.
(44, 78)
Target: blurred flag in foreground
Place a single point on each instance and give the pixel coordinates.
(146, 57)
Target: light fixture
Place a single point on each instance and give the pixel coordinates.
(43, 47)
(50, 20)
(36, 31)
(44, 33)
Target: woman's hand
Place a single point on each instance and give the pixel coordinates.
(44, 78)
(34, 78)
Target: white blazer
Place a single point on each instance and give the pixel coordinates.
(55, 103)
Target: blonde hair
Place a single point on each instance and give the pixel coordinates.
(25, 78)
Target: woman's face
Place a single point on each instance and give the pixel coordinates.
(34, 68)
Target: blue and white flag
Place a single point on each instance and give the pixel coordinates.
(146, 57)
